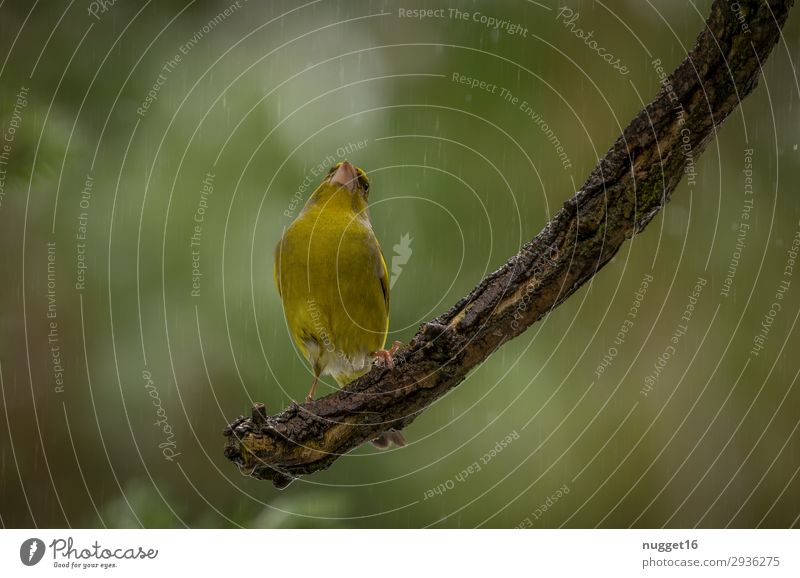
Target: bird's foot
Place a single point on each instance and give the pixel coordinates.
(384, 356)
(388, 438)
(313, 389)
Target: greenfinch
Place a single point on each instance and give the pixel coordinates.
(333, 281)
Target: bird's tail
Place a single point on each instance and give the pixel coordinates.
(388, 438)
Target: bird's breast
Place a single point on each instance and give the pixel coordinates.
(331, 293)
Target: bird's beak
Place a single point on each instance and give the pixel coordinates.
(345, 176)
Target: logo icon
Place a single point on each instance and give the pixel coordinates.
(31, 552)
(402, 253)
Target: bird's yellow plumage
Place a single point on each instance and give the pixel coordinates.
(334, 283)
(332, 278)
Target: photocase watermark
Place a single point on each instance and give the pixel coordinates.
(569, 18)
(402, 253)
(319, 328)
(183, 50)
(206, 190)
(490, 22)
(9, 135)
(473, 468)
(98, 7)
(736, 8)
(520, 104)
(680, 330)
(627, 325)
(688, 152)
(685, 134)
(168, 446)
(31, 551)
(82, 233)
(67, 555)
(760, 339)
(551, 500)
(318, 172)
(53, 338)
(744, 224)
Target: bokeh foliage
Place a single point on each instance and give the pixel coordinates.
(259, 100)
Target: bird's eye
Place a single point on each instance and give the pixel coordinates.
(363, 180)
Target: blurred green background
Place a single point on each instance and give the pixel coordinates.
(116, 137)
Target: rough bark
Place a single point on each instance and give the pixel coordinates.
(623, 193)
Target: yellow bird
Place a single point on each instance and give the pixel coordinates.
(334, 284)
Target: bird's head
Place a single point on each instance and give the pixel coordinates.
(345, 175)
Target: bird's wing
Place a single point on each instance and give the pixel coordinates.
(276, 268)
(383, 276)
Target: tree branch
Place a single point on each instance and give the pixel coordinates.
(622, 194)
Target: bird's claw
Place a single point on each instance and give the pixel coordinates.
(384, 356)
(388, 438)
